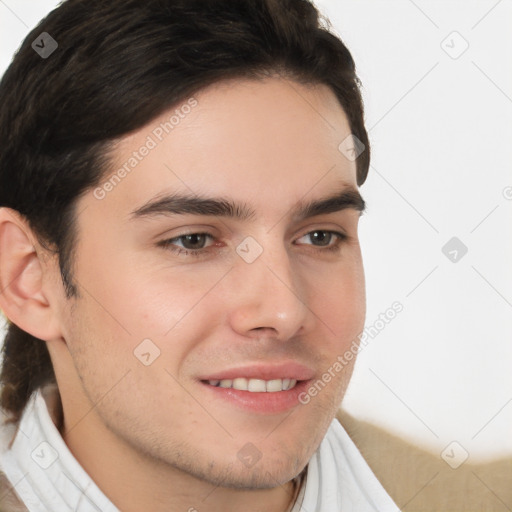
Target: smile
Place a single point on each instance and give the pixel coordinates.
(255, 385)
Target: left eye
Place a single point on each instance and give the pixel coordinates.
(323, 237)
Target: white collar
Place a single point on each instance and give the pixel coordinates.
(339, 478)
(47, 477)
(42, 469)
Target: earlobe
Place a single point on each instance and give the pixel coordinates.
(22, 294)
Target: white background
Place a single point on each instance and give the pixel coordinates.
(441, 134)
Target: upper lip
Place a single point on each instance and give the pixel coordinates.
(287, 370)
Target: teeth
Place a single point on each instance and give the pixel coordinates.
(274, 385)
(255, 385)
(240, 383)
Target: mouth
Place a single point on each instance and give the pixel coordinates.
(254, 385)
(259, 388)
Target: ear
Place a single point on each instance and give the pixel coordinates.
(23, 297)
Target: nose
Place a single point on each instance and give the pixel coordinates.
(270, 299)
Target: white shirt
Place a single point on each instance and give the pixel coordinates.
(48, 478)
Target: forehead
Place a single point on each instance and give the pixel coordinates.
(260, 141)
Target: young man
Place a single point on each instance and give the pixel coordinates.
(179, 263)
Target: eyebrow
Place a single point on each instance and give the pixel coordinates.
(182, 204)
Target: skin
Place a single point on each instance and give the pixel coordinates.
(149, 435)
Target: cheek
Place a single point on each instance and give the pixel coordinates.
(146, 298)
(338, 298)
(171, 302)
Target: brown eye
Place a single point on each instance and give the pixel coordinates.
(193, 241)
(324, 241)
(323, 237)
(193, 244)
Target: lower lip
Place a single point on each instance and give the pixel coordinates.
(265, 402)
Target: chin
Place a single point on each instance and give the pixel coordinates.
(265, 477)
(259, 474)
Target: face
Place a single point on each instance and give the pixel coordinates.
(179, 296)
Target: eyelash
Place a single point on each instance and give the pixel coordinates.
(167, 244)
